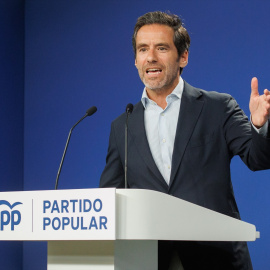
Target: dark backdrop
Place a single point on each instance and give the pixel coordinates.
(11, 113)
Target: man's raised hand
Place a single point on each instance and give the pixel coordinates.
(259, 106)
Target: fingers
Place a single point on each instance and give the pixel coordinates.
(266, 92)
(254, 87)
(266, 96)
(267, 100)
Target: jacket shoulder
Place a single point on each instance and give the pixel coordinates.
(198, 92)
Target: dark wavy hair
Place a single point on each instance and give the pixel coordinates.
(181, 37)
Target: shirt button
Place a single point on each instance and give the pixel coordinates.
(169, 166)
(163, 140)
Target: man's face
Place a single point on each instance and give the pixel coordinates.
(157, 58)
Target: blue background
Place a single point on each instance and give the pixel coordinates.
(60, 57)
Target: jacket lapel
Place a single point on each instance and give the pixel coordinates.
(190, 109)
(138, 134)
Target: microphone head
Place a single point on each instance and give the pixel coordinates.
(91, 110)
(129, 108)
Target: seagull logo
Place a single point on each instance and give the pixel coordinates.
(11, 206)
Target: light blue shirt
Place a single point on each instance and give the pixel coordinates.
(160, 126)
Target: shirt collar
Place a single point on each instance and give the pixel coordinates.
(177, 92)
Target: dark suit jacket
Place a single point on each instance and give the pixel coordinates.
(211, 129)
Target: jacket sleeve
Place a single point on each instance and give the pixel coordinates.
(243, 140)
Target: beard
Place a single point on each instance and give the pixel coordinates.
(168, 80)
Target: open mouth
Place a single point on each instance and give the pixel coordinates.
(153, 71)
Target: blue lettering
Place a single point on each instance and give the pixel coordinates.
(46, 205)
(18, 219)
(85, 202)
(3, 221)
(64, 206)
(72, 223)
(102, 222)
(55, 225)
(65, 221)
(80, 206)
(73, 204)
(82, 227)
(55, 207)
(93, 223)
(99, 202)
(46, 222)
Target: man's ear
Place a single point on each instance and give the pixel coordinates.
(184, 59)
(135, 63)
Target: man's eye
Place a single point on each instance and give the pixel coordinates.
(142, 50)
(162, 48)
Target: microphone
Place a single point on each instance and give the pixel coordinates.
(89, 112)
(129, 110)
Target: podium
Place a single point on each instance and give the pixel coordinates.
(110, 228)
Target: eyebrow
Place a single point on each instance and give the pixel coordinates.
(163, 45)
(156, 45)
(141, 45)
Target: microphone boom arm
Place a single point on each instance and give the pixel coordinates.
(89, 112)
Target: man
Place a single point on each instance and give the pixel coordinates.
(182, 139)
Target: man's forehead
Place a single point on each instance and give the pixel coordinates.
(155, 32)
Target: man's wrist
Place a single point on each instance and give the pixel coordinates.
(262, 130)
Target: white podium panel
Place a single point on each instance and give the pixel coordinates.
(110, 228)
(144, 214)
(81, 214)
(103, 255)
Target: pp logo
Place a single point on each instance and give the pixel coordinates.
(12, 217)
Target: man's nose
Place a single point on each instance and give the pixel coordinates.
(151, 56)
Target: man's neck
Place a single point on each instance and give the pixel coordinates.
(159, 96)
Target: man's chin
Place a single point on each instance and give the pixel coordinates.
(154, 86)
